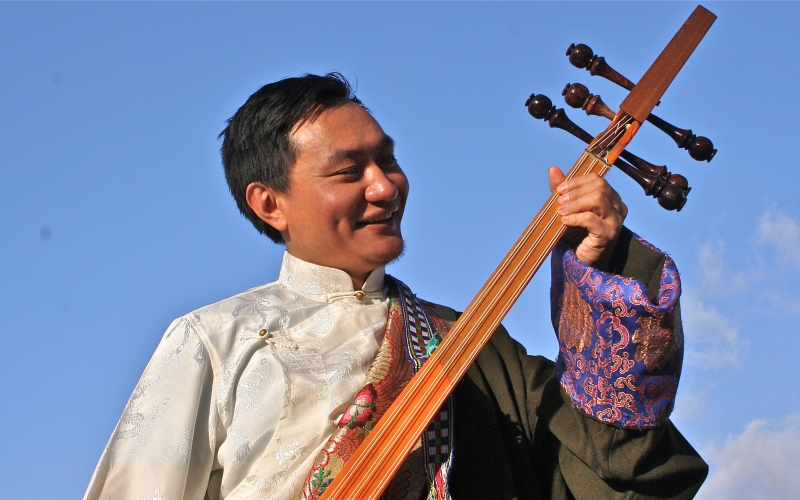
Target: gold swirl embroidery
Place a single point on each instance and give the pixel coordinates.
(575, 325)
(658, 339)
(391, 357)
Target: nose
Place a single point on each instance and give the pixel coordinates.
(380, 187)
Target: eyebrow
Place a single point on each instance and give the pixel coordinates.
(385, 143)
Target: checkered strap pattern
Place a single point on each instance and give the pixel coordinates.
(418, 331)
(438, 439)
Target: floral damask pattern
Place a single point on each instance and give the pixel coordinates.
(249, 388)
(656, 343)
(619, 353)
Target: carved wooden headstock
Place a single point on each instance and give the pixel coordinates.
(669, 189)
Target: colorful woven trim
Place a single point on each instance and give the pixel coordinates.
(386, 378)
(620, 354)
(421, 339)
(412, 332)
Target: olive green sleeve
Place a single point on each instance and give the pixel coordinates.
(632, 259)
(518, 436)
(598, 460)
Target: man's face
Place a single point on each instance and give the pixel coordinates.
(346, 193)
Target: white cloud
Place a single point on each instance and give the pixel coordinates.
(783, 232)
(760, 463)
(714, 275)
(782, 303)
(711, 339)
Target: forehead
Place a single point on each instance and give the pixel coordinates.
(339, 131)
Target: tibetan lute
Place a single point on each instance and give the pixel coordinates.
(376, 460)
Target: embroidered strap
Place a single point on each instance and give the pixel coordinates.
(417, 326)
(413, 331)
(421, 339)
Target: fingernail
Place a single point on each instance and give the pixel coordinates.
(562, 187)
(563, 199)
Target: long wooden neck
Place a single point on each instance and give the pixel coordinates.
(373, 465)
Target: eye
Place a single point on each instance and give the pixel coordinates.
(350, 171)
(389, 161)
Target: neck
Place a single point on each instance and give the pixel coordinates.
(358, 282)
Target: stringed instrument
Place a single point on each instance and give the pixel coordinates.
(376, 460)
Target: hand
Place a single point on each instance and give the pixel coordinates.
(594, 214)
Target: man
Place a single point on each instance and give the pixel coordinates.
(266, 394)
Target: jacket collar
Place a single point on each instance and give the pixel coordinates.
(305, 277)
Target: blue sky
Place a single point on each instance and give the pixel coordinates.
(116, 218)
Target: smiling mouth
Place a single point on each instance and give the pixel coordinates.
(377, 220)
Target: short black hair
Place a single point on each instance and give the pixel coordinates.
(256, 145)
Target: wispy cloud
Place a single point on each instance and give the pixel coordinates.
(712, 340)
(715, 276)
(782, 303)
(783, 233)
(759, 463)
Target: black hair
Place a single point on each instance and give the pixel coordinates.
(256, 145)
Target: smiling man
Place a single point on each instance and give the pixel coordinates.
(268, 393)
(343, 206)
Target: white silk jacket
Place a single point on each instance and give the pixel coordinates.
(240, 396)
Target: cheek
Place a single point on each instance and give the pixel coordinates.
(339, 208)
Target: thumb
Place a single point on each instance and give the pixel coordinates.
(556, 177)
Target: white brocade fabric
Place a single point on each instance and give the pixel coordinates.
(223, 411)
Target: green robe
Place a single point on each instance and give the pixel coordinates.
(518, 435)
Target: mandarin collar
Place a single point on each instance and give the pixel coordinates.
(305, 277)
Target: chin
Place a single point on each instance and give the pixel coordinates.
(391, 254)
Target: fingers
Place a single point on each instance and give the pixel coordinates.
(593, 210)
(600, 230)
(556, 177)
(600, 204)
(583, 184)
(590, 193)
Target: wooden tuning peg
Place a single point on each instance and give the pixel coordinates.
(670, 192)
(541, 107)
(578, 96)
(669, 189)
(700, 148)
(582, 56)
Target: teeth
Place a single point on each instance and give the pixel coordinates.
(379, 219)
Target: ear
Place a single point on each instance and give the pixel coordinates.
(263, 200)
